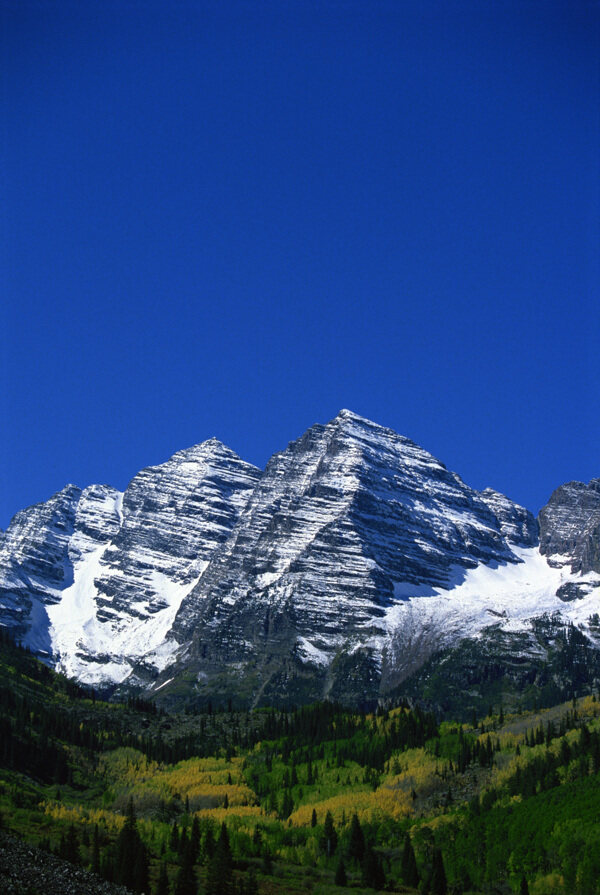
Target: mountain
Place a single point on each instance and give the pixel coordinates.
(94, 577)
(352, 566)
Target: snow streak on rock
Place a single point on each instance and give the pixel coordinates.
(336, 572)
(338, 521)
(95, 577)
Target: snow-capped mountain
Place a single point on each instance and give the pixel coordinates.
(95, 577)
(339, 571)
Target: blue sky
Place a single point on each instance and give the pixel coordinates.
(236, 218)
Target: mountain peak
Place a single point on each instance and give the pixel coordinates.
(346, 414)
(205, 451)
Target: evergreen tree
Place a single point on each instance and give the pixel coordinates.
(410, 873)
(195, 838)
(313, 818)
(524, 888)
(439, 885)
(329, 837)
(340, 874)
(372, 870)
(219, 878)
(257, 840)
(267, 862)
(251, 883)
(183, 843)
(141, 882)
(131, 860)
(287, 805)
(186, 883)
(162, 887)
(126, 848)
(95, 851)
(356, 845)
(71, 846)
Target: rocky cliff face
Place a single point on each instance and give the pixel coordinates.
(570, 527)
(173, 517)
(346, 524)
(351, 561)
(38, 552)
(95, 577)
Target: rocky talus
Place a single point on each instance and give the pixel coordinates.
(25, 870)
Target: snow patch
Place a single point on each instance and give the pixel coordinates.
(91, 650)
(310, 653)
(505, 594)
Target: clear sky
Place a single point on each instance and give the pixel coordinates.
(235, 218)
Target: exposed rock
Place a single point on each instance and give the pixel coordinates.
(342, 517)
(94, 578)
(25, 869)
(336, 573)
(570, 527)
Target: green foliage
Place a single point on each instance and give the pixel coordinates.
(313, 795)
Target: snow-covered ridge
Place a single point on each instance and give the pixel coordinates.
(94, 578)
(354, 542)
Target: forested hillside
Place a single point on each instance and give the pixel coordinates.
(318, 798)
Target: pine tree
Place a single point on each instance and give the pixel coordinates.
(195, 838)
(287, 804)
(125, 849)
(329, 837)
(356, 845)
(251, 883)
(71, 846)
(186, 883)
(340, 874)
(95, 851)
(209, 844)
(372, 870)
(313, 818)
(131, 861)
(141, 881)
(257, 840)
(183, 843)
(219, 878)
(162, 887)
(524, 888)
(410, 873)
(439, 885)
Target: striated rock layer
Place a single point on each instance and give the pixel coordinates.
(352, 560)
(570, 527)
(94, 578)
(346, 524)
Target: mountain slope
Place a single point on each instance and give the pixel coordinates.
(95, 577)
(345, 530)
(355, 558)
